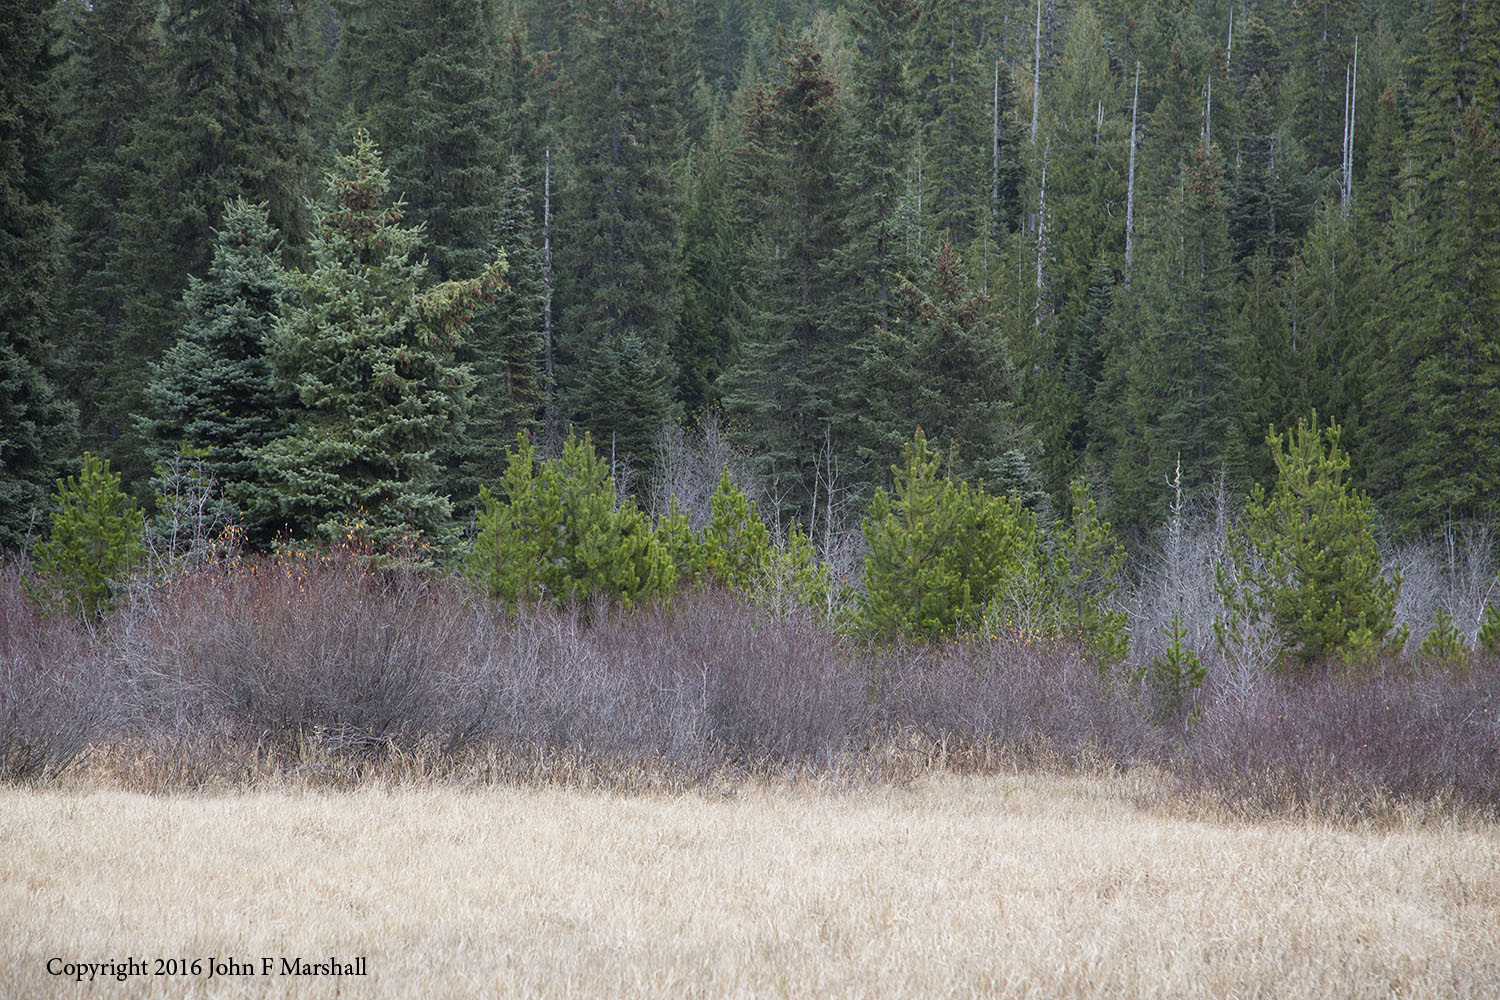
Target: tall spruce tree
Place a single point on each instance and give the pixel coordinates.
(953, 99)
(503, 349)
(1088, 141)
(713, 271)
(368, 352)
(421, 77)
(1435, 389)
(105, 81)
(881, 144)
(37, 433)
(620, 223)
(1174, 382)
(212, 392)
(789, 390)
(228, 118)
(941, 367)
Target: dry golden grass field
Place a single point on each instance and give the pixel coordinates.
(1006, 886)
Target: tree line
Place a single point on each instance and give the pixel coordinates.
(341, 253)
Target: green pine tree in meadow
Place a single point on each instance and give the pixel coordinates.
(554, 531)
(1303, 559)
(94, 544)
(939, 550)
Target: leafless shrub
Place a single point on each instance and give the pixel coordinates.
(1176, 577)
(280, 644)
(1345, 744)
(706, 681)
(52, 700)
(689, 464)
(1455, 573)
(1027, 701)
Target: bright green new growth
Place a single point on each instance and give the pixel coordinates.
(1304, 558)
(939, 550)
(1087, 568)
(1489, 630)
(1444, 646)
(1172, 677)
(555, 533)
(736, 543)
(95, 543)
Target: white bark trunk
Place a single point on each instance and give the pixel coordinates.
(1036, 78)
(1135, 105)
(549, 422)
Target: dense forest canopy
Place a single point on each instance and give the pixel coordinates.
(344, 250)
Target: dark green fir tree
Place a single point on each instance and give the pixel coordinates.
(620, 222)
(37, 430)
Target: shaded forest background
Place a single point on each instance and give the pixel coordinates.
(342, 252)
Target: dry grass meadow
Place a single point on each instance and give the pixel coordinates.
(1000, 885)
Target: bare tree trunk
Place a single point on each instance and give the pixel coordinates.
(1229, 50)
(1135, 104)
(1036, 79)
(549, 418)
(995, 146)
(1041, 230)
(1353, 100)
(1208, 113)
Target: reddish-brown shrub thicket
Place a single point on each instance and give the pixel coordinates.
(242, 661)
(1031, 700)
(1350, 743)
(54, 698)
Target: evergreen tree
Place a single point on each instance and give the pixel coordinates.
(94, 544)
(1321, 49)
(110, 44)
(556, 533)
(791, 386)
(1304, 559)
(1453, 465)
(939, 550)
(228, 120)
(421, 77)
(37, 433)
(1435, 390)
(713, 272)
(881, 147)
(369, 354)
(620, 224)
(526, 83)
(1173, 387)
(1267, 196)
(503, 350)
(212, 393)
(953, 97)
(1086, 144)
(942, 368)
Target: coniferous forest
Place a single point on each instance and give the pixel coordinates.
(346, 251)
(1161, 327)
(752, 384)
